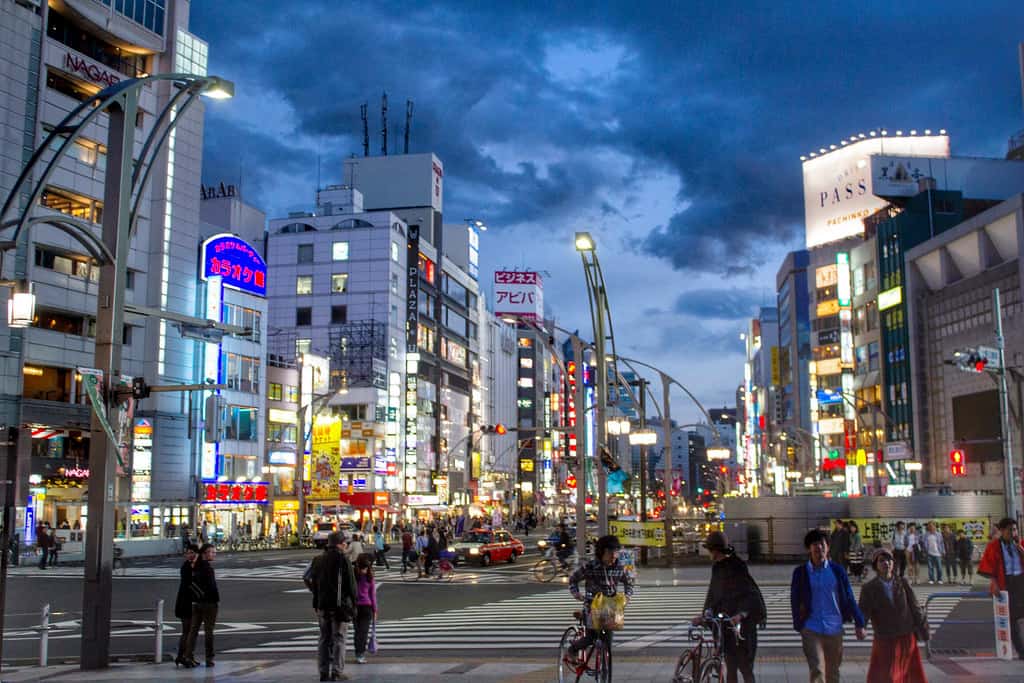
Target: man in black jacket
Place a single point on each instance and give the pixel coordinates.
(734, 593)
(205, 600)
(333, 583)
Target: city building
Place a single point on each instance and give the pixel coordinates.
(499, 362)
(53, 56)
(757, 463)
(867, 381)
(948, 289)
(794, 424)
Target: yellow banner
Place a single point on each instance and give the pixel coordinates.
(872, 529)
(650, 534)
(326, 457)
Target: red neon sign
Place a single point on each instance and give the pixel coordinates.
(235, 492)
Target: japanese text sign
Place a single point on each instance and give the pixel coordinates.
(236, 262)
(518, 293)
(235, 492)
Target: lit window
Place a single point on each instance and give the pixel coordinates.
(339, 282)
(394, 252)
(525, 382)
(526, 362)
(339, 251)
(304, 284)
(302, 346)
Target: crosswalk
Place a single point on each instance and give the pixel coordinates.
(657, 618)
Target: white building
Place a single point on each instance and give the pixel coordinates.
(53, 55)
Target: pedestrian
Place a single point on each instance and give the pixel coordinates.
(15, 549)
(43, 543)
(55, 547)
(822, 600)
(734, 592)
(1002, 564)
(380, 549)
(839, 543)
(408, 552)
(899, 548)
(913, 551)
(889, 603)
(965, 555)
(333, 582)
(421, 551)
(366, 606)
(183, 605)
(355, 549)
(935, 551)
(949, 553)
(205, 601)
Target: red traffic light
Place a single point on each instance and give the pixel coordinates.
(723, 469)
(570, 367)
(957, 463)
(500, 429)
(979, 365)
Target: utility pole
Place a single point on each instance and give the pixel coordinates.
(581, 461)
(300, 451)
(667, 457)
(601, 366)
(1004, 409)
(642, 383)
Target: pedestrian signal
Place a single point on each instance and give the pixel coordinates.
(957, 463)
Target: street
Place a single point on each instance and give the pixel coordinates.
(499, 610)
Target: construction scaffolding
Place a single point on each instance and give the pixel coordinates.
(357, 351)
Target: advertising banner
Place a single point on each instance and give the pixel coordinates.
(650, 534)
(518, 293)
(876, 529)
(1001, 617)
(234, 260)
(326, 457)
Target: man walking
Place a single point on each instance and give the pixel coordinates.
(822, 601)
(1003, 564)
(43, 543)
(965, 555)
(333, 583)
(899, 549)
(839, 544)
(949, 554)
(734, 592)
(205, 601)
(934, 549)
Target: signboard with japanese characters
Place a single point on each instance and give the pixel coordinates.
(326, 456)
(519, 294)
(234, 492)
(238, 264)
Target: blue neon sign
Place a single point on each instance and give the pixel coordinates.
(235, 261)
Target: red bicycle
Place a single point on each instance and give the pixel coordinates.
(705, 661)
(595, 660)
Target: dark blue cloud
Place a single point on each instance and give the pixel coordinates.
(722, 304)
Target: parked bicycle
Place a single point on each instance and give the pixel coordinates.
(705, 661)
(548, 567)
(442, 570)
(595, 660)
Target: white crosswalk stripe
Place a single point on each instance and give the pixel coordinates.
(657, 617)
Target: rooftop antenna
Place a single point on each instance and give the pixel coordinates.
(317, 172)
(408, 123)
(384, 123)
(366, 129)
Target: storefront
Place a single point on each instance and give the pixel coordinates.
(373, 507)
(230, 506)
(285, 515)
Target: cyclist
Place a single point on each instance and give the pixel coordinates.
(603, 574)
(566, 546)
(734, 593)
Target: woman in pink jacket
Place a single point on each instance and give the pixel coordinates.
(366, 605)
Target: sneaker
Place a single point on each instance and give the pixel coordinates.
(361, 659)
(931, 583)
(940, 582)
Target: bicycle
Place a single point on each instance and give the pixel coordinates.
(596, 659)
(705, 661)
(550, 566)
(118, 562)
(442, 570)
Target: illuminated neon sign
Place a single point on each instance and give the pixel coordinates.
(236, 262)
(235, 492)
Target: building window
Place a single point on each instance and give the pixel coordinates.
(305, 253)
(304, 316)
(394, 283)
(339, 314)
(303, 346)
(66, 86)
(291, 394)
(72, 204)
(68, 264)
(339, 251)
(281, 432)
(394, 252)
(240, 316)
(274, 391)
(126, 335)
(426, 269)
(304, 284)
(873, 356)
(339, 283)
(526, 362)
(241, 373)
(242, 425)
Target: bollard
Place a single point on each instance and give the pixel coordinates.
(159, 621)
(44, 636)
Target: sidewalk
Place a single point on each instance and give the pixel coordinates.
(519, 670)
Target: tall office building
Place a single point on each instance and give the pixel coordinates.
(53, 55)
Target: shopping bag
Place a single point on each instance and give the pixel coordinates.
(371, 647)
(608, 612)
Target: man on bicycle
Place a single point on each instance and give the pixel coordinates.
(603, 574)
(734, 593)
(565, 546)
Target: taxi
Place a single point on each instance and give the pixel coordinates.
(486, 546)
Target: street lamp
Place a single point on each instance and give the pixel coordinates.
(643, 437)
(584, 242)
(618, 426)
(21, 308)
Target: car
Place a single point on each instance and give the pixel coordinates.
(323, 529)
(486, 546)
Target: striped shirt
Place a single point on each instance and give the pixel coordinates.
(598, 578)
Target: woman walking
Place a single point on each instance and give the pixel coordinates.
(183, 604)
(205, 601)
(889, 603)
(366, 605)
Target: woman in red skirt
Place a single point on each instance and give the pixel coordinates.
(889, 603)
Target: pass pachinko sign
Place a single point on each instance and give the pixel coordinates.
(238, 264)
(518, 294)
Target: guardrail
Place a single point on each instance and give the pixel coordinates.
(44, 627)
(975, 595)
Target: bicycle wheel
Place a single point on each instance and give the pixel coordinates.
(544, 571)
(602, 661)
(565, 672)
(687, 668)
(711, 671)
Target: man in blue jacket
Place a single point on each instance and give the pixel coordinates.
(822, 601)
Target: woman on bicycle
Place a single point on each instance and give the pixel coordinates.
(603, 574)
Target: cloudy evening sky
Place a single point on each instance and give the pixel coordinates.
(670, 130)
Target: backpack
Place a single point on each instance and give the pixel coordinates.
(309, 574)
(762, 622)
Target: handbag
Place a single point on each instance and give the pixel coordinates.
(922, 630)
(608, 612)
(371, 647)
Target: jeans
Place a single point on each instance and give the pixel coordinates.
(934, 568)
(382, 558)
(900, 560)
(364, 615)
(966, 570)
(739, 656)
(330, 652)
(205, 615)
(950, 565)
(824, 655)
(186, 627)
(44, 555)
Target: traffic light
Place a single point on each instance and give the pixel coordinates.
(498, 429)
(139, 388)
(723, 469)
(957, 463)
(216, 405)
(972, 359)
